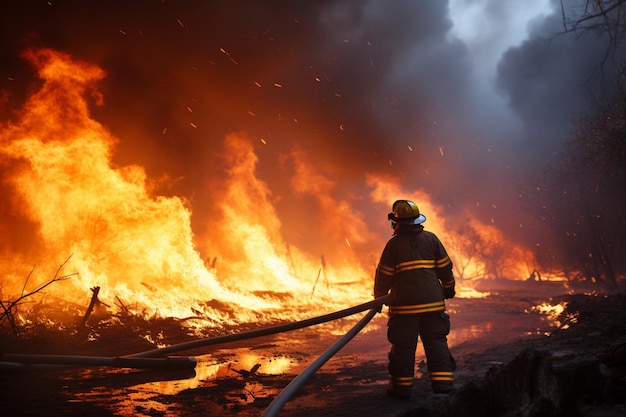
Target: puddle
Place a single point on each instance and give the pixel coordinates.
(241, 364)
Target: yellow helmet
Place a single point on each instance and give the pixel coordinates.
(405, 212)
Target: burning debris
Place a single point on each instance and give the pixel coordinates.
(13, 313)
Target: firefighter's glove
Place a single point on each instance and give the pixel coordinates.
(380, 308)
(449, 292)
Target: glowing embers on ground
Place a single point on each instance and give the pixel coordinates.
(553, 314)
(499, 318)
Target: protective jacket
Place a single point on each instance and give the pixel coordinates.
(416, 268)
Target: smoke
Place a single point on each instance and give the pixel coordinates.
(461, 108)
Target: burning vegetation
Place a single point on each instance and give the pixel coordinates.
(69, 200)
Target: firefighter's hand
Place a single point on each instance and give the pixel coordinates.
(448, 292)
(380, 307)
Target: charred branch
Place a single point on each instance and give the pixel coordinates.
(93, 303)
(320, 272)
(121, 306)
(11, 308)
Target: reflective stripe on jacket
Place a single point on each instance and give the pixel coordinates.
(415, 267)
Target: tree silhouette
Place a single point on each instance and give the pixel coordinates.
(583, 199)
(603, 17)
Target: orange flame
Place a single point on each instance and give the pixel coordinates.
(134, 245)
(140, 247)
(477, 250)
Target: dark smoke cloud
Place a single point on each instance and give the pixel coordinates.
(361, 85)
(550, 79)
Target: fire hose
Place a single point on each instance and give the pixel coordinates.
(181, 362)
(281, 399)
(280, 328)
(150, 358)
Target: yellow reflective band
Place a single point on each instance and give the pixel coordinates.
(443, 262)
(441, 376)
(386, 270)
(411, 265)
(418, 308)
(448, 284)
(442, 379)
(402, 381)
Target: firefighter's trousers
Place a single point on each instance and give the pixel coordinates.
(433, 329)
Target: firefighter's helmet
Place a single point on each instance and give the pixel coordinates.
(405, 212)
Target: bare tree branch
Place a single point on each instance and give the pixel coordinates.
(602, 17)
(10, 308)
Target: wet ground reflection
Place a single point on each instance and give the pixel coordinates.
(254, 371)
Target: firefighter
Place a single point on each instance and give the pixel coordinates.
(416, 269)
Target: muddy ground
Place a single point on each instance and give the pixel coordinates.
(512, 360)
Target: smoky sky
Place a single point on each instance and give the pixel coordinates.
(362, 86)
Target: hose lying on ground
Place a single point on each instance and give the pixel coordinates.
(374, 304)
(117, 362)
(21, 362)
(277, 404)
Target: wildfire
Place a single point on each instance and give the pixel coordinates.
(136, 246)
(139, 247)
